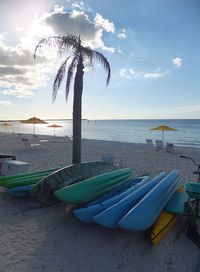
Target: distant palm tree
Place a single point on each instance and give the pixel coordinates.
(73, 44)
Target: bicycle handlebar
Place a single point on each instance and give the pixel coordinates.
(189, 158)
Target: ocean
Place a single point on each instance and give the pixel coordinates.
(187, 132)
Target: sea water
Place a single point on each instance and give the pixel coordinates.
(187, 132)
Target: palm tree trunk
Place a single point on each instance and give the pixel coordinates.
(77, 112)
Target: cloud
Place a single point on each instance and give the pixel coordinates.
(19, 73)
(130, 73)
(5, 103)
(78, 23)
(79, 5)
(122, 34)
(104, 23)
(18, 93)
(188, 109)
(177, 62)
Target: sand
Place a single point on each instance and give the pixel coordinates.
(48, 239)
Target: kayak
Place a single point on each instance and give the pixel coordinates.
(86, 214)
(151, 204)
(94, 187)
(162, 226)
(71, 174)
(112, 215)
(22, 191)
(176, 203)
(6, 181)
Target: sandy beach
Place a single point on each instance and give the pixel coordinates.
(48, 239)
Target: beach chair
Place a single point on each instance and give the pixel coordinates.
(169, 147)
(27, 144)
(159, 145)
(36, 139)
(149, 143)
(109, 159)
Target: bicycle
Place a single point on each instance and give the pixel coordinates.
(192, 206)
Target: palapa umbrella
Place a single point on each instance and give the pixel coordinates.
(5, 125)
(34, 121)
(54, 126)
(163, 128)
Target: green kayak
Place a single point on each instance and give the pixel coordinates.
(44, 190)
(94, 187)
(24, 179)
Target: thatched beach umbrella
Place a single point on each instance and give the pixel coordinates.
(5, 125)
(163, 128)
(33, 121)
(54, 126)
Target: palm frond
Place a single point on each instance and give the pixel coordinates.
(70, 74)
(100, 57)
(58, 79)
(92, 54)
(63, 43)
(86, 51)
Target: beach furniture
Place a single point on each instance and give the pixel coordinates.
(14, 167)
(6, 157)
(149, 143)
(37, 140)
(151, 204)
(109, 159)
(86, 213)
(89, 189)
(159, 145)
(44, 190)
(111, 216)
(28, 145)
(169, 147)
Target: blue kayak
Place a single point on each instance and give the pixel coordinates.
(145, 212)
(113, 214)
(176, 203)
(21, 191)
(86, 213)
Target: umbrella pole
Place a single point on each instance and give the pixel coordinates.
(163, 136)
(34, 129)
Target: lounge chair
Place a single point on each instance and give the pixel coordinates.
(149, 142)
(169, 147)
(109, 159)
(159, 145)
(37, 140)
(27, 144)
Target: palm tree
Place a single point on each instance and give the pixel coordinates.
(80, 53)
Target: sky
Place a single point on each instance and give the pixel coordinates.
(153, 47)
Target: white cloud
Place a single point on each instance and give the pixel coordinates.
(19, 73)
(5, 103)
(79, 5)
(78, 23)
(122, 34)
(130, 73)
(152, 75)
(104, 23)
(188, 109)
(177, 62)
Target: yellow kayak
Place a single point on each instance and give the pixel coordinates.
(163, 225)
